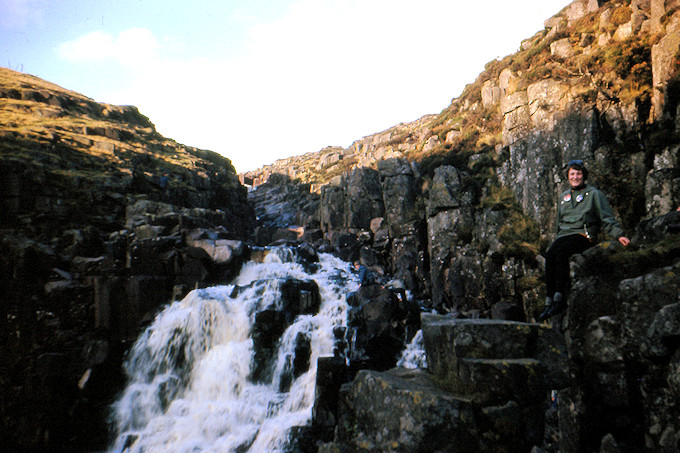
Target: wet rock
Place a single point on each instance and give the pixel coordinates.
(193, 266)
(297, 363)
(380, 326)
(267, 329)
(403, 411)
(299, 297)
(331, 374)
(307, 254)
(282, 236)
(312, 235)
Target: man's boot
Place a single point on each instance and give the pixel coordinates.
(548, 307)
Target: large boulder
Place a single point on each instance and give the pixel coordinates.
(452, 345)
(623, 346)
(402, 411)
(331, 374)
(506, 369)
(381, 322)
(296, 297)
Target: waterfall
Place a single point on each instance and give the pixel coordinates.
(188, 373)
(413, 355)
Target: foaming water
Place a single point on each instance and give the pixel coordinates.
(413, 355)
(188, 387)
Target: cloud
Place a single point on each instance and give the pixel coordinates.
(17, 14)
(130, 48)
(325, 73)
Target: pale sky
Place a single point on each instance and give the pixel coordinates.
(260, 80)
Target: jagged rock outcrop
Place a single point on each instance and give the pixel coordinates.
(380, 323)
(285, 210)
(450, 222)
(104, 221)
(322, 166)
(297, 297)
(621, 332)
(458, 206)
(484, 390)
(378, 209)
(402, 411)
(599, 83)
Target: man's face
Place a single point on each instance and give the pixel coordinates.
(575, 177)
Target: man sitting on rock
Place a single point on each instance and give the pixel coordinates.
(581, 213)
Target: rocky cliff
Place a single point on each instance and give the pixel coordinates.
(460, 206)
(107, 220)
(103, 221)
(479, 180)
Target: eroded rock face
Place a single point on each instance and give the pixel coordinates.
(448, 340)
(450, 225)
(104, 221)
(663, 54)
(103, 270)
(621, 335)
(89, 297)
(403, 411)
(364, 199)
(381, 322)
(404, 220)
(485, 390)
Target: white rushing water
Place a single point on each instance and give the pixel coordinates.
(188, 387)
(413, 355)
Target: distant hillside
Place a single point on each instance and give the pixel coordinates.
(459, 208)
(599, 52)
(66, 158)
